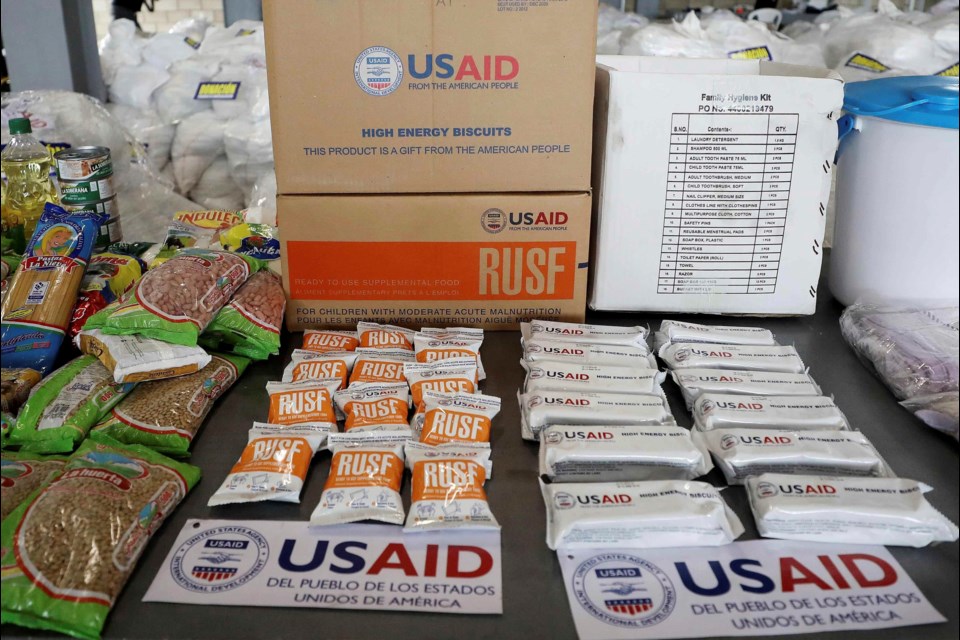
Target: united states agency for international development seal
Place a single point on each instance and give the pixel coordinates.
(623, 590)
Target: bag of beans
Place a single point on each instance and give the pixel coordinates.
(166, 415)
(23, 473)
(70, 547)
(176, 301)
(250, 324)
(65, 405)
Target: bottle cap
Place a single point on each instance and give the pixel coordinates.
(20, 125)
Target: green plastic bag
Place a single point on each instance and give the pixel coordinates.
(177, 300)
(65, 405)
(250, 324)
(69, 548)
(166, 415)
(23, 473)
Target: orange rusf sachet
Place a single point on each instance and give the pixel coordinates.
(457, 417)
(448, 487)
(446, 376)
(436, 348)
(273, 465)
(308, 403)
(380, 365)
(374, 407)
(466, 335)
(384, 336)
(364, 482)
(305, 365)
(327, 340)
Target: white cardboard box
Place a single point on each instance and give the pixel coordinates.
(711, 181)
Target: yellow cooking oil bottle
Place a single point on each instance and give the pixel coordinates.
(26, 165)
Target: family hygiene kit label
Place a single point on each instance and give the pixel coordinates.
(288, 564)
(750, 588)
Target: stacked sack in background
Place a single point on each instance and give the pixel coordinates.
(196, 97)
(858, 44)
(370, 379)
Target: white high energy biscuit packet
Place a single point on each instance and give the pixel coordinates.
(582, 353)
(537, 410)
(570, 453)
(751, 452)
(658, 513)
(678, 331)
(731, 356)
(273, 465)
(566, 376)
(583, 333)
(695, 382)
(364, 481)
(728, 411)
(447, 487)
(887, 511)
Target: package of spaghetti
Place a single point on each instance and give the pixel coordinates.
(167, 414)
(673, 331)
(462, 333)
(374, 407)
(380, 365)
(448, 376)
(584, 353)
(249, 325)
(750, 452)
(36, 311)
(434, 348)
(308, 403)
(447, 487)
(597, 378)
(273, 465)
(15, 386)
(109, 275)
(729, 411)
(537, 410)
(23, 473)
(656, 513)
(384, 336)
(134, 358)
(176, 301)
(695, 382)
(326, 340)
(305, 365)
(572, 453)
(457, 417)
(583, 333)
(66, 404)
(731, 356)
(69, 549)
(366, 471)
(887, 511)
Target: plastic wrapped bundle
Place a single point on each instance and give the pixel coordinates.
(683, 39)
(197, 143)
(149, 130)
(262, 200)
(249, 147)
(121, 47)
(216, 189)
(614, 26)
(175, 99)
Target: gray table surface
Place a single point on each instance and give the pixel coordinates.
(534, 601)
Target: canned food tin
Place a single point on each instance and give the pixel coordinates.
(110, 230)
(86, 191)
(84, 163)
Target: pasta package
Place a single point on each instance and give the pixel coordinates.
(66, 404)
(23, 473)
(176, 301)
(166, 415)
(250, 322)
(109, 275)
(69, 549)
(37, 309)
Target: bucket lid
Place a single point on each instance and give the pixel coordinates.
(926, 100)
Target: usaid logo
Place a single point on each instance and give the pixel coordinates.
(536, 373)
(767, 490)
(707, 407)
(219, 559)
(728, 442)
(493, 220)
(624, 590)
(682, 354)
(553, 437)
(378, 71)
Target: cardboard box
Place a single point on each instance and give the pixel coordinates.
(422, 96)
(483, 260)
(710, 198)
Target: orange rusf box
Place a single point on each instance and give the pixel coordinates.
(422, 96)
(486, 260)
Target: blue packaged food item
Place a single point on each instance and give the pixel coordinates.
(40, 301)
